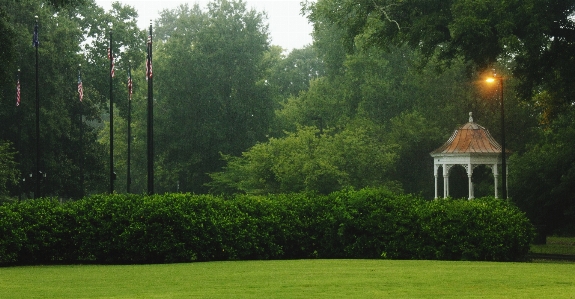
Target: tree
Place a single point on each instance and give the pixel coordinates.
(212, 96)
(70, 33)
(416, 137)
(538, 35)
(129, 46)
(308, 160)
(292, 74)
(9, 173)
(541, 178)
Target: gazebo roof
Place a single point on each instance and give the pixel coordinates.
(469, 138)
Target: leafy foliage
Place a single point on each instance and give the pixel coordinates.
(537, 34)
(384, 83)
(529, 43)
(212, 98)
(369, 223)
(309, 160)
(542, 177)
(69, 153)
(289, 75)
(9, 173)
(41, 231)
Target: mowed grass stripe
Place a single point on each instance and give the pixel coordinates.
(294, 279)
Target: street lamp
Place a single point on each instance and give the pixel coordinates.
(503, 152)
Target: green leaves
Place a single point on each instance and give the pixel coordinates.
(310, 161)
(368, 223)
(9, 173)
(541, 178)
(211, 95)
(535, 38)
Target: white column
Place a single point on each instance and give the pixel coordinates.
(470, 187)
(435, 174)
(495, 177)
(445, 181)
(469, 175)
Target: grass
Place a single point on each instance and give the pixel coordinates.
(556, 245)
(294, 279)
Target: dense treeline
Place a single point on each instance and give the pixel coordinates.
(384, 83)
(530, 43)
(370, 223)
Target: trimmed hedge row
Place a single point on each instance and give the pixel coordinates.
(369, 223)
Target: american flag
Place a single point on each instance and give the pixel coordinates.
(80, 87)
(149, 59)
(130, 85)
(111, 57)
(18, 92)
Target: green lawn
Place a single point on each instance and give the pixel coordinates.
(556, 245)
(294, 279)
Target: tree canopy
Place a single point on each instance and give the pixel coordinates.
(537, 35)
(384, 83)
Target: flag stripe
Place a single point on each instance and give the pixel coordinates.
(80, 88)
(18, 92)
(149, 59)
(111, 57)
(130, 85)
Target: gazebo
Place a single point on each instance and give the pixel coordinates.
(471, 145)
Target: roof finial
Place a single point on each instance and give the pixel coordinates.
(470, 117)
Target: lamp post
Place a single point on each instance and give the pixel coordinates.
(503, 157)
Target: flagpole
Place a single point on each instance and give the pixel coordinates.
(149, 75)
(81, 95)
(112, 174)
(130, 86)
(36, 43)
(19, 122)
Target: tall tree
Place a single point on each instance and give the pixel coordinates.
(129, 46)
(211, 96)
(68, 31)
(291, 74)
(541, 177)
(531, 43)
(539, 35)
(9, 174)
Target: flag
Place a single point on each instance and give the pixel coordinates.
(18, 92)
(149, 59)
(35, 41)
(111, 57)
(130, 85)
(80, 87)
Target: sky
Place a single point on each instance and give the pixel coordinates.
(288, 28)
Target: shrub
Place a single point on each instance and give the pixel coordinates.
(369, 223)
(99, 224)
(378, 223)
(481, 229)
(40, 232)
(11, 234)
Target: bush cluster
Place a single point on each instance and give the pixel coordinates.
(369, 223)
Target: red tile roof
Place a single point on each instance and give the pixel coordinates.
(470, 138)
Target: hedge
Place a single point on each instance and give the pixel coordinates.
(368, 223)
